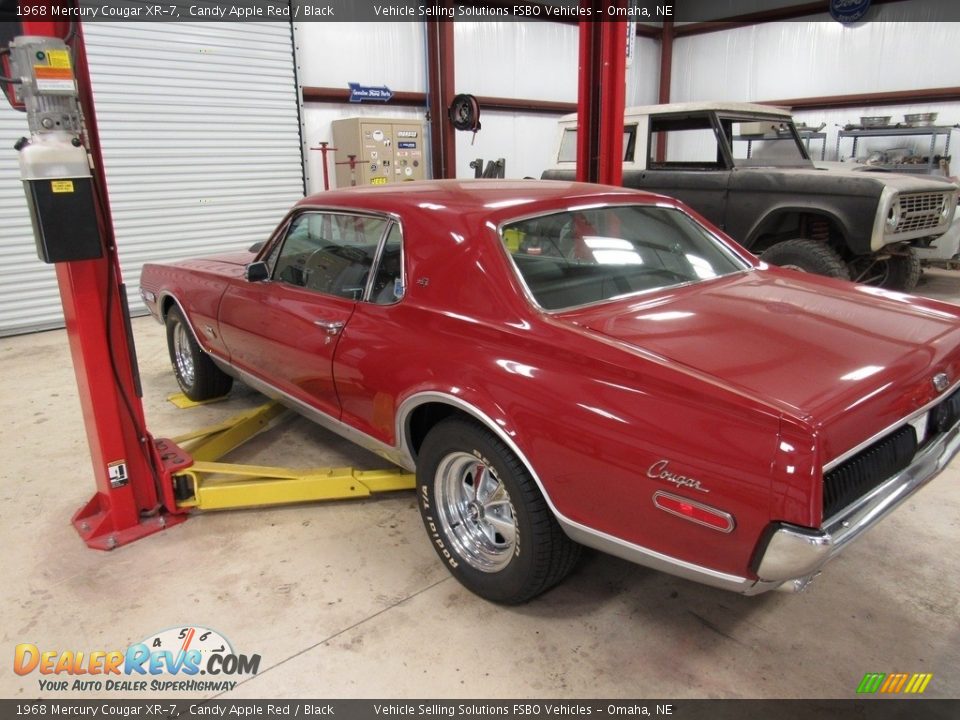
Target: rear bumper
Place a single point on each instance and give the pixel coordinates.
(794, 555)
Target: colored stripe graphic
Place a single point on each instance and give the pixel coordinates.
(871, 682)
(893, 683)
(918, 683)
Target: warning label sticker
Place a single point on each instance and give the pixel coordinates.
(61, 186)
(117, 472)
(59, 58)
(54, 79)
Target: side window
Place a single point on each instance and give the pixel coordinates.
(388, 282)
(329, 253)
(691, 144)
(568, 144)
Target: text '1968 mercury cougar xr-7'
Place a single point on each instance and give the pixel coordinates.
(566, 364)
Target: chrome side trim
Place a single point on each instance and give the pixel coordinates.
(163, 320)
(890, 428)
(397, 455)
(574, 530)
(658, 561)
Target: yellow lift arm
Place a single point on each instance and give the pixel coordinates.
(208, 484)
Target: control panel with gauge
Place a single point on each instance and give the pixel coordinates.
(383, 151)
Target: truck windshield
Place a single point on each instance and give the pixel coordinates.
(764, 143)
(583, 256)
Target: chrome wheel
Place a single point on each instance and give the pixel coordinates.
(182, 353)
(475, 511)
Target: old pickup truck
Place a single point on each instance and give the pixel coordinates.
(745, 168)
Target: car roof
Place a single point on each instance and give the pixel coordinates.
(471, 195)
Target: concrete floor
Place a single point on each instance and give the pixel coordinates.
(348, 599)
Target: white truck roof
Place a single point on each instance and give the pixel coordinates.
(733, 107)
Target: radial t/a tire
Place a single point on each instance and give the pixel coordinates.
(485, 515)
(199, 378)
(810, 256)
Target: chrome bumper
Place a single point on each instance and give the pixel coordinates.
(794, 555)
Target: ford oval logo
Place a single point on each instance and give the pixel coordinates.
(848, 11)
(941, 382)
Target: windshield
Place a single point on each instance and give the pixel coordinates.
(764, 143)
(582, 256)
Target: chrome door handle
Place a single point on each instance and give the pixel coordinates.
(331, 326)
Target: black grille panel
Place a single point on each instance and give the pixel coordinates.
(868, 469)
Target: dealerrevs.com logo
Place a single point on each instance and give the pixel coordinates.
(188, 659)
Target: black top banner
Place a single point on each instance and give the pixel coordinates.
(162, 709)
(647, 12)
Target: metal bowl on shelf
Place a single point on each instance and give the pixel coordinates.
(874, 121)
(920, 119)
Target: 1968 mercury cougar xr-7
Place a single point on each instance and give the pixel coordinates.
(566, 365)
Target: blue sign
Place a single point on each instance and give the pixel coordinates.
(364, 93)
(848, 11)
(402, 145)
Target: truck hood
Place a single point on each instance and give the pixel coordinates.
(846, 360)
(899, 181)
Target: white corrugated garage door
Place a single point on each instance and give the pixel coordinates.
(200, 133)
(29, 299)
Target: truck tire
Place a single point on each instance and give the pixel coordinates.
(810, 256)
(896, 272)
(485, 515)
(196, 373)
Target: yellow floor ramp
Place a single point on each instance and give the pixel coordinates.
(208, 484)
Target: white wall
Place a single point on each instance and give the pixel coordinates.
(336, 54)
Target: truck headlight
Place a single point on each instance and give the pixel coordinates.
(893, 215)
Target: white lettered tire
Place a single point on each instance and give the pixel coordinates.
(485, 515)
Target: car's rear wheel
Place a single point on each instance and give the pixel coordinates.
(486, 517)
(199, 378)
(810, 256)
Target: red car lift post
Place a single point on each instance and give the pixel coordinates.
(134, 495)
(601, 95)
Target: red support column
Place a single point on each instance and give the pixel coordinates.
(133, 496)
(440, 75)
(601, 96)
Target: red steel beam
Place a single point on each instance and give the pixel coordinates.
(896, 97)
(601, 96)
(440, 77)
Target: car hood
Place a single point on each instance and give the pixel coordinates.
(847, 360)
(899, 181)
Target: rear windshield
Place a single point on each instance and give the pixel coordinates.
(583, 256)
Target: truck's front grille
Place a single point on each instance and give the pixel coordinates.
(920, 211)
(868, 469)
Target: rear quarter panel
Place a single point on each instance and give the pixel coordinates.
(591, 417)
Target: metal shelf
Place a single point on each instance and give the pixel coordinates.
(934, 131)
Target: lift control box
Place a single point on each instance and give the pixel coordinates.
(384, 151)
(54, 166)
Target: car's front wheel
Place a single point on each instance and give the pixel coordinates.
(197, 375)
(486, 517)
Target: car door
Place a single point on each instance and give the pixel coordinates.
(687, 158)
(285, 330)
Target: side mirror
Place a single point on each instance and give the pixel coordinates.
(256, 272)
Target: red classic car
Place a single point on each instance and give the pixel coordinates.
(566, 364)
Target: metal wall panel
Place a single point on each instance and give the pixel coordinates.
(201, 142)
(28, 288)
